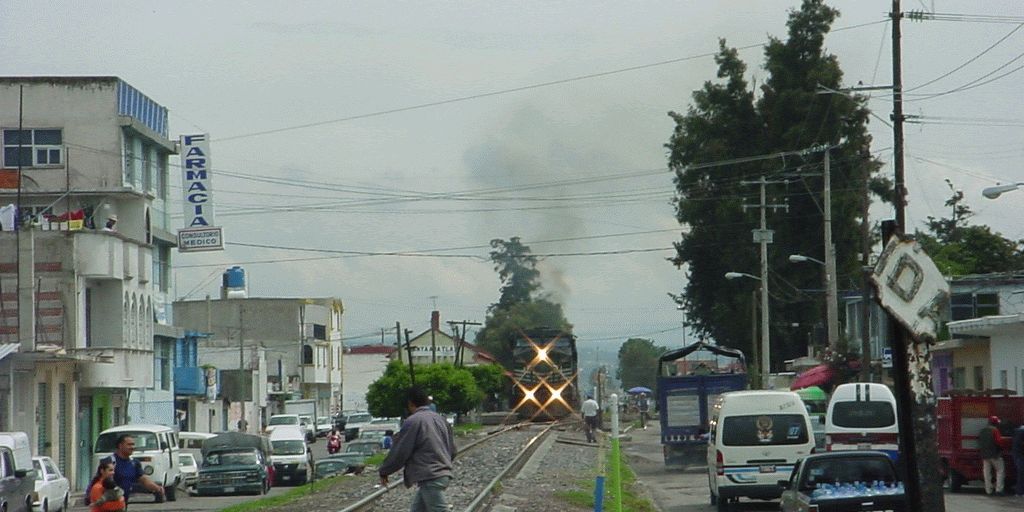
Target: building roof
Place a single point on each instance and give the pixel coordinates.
(988, 325)
(370, 349)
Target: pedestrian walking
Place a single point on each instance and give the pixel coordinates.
(425, 447)
(990, 449)
(589, 411)
(643, 406)
(1017, 450)
(128, 471)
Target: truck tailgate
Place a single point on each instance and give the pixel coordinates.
(883, 503)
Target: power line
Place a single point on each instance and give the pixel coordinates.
(968, 61)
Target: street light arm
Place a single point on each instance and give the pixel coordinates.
(800, 258)
(737, 275)
(998, 190)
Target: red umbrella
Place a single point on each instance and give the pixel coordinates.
(817, 376)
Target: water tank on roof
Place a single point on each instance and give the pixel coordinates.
(233, 283)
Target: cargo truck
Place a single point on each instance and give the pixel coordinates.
(686, 390)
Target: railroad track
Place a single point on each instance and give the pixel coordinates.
(477, 471)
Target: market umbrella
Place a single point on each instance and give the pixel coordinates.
(817, 376)
(638, 390)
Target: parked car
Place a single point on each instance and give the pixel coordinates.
(156, 447)
(373, 433)
(392, 424)
(189, 469)
(366, 448)
(17, 478)
(354, 422)
(843, 481)
(309, 424)
(234, 462)
(280, 420)
(340, 464)
(192, 442)
(52, 489)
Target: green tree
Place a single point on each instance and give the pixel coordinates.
(959, 248)
(638, 363)
(517, 269)
(726, 122)
(454, 389)
(490, 378)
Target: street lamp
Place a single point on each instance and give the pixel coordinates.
(998, 190)
(831, 299)
(765, 360)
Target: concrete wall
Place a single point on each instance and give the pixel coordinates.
(361, 370)
(1007, 356)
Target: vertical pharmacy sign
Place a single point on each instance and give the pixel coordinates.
(200, 232)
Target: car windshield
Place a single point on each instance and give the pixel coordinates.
(283, 420)
(186, 460)
(144, 441)
(230, 459)
(288, 447)
(863, 414)
(359, 418)
(323, 419)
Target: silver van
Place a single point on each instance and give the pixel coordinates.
(156, 447)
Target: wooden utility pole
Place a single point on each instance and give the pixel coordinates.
(460, 351)
(398, 340)
(911, 357)
(865, 298)
(408, 350)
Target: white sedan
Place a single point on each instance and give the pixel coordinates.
(53, 491)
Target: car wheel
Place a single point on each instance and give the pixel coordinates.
(171, 493)
(67, 502)
(723, 505)
(46, 506)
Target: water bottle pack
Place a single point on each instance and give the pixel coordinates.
(856, 490)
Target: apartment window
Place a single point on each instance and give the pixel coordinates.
(307, 354)
(165, 366)
(1003, 380)
(979, 377)
(963, 306)
(38, 148)
(129, 161)
(158, 365)
(147, 168)
(161, 176)
(43, 419)
(320, 332)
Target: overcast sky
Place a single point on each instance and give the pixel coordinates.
(306, 103)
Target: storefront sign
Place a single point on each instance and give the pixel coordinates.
(196, 181)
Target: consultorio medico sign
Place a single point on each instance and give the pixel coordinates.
(200, 232)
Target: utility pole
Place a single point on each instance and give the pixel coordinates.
(243, 424)
(460, 352)
(398, 341)
(911, 357)
(408, 350)
(865, 296)
(763, 237)
(832, 294)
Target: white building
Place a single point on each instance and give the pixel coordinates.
(82, 309)
(363, 366)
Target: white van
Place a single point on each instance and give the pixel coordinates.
(156, 447)
(862, 416)
(291, 457)
(755, 439)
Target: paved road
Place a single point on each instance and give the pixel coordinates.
(188, 503)
(677, 490)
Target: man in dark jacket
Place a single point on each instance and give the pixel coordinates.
(425, 447)
(1017, 450)
(990, 449)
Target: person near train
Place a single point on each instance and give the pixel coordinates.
(425, 448)
(589, 411)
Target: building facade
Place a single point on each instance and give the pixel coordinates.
(85, 247)
(290, 348)
(363, 366)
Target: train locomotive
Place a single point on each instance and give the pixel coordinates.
(544, 369)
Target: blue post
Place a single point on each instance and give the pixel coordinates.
(599, 494)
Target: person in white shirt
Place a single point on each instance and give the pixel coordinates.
(589, 411)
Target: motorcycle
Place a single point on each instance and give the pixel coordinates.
(333, 444)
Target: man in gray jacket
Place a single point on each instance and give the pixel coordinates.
(425, 447)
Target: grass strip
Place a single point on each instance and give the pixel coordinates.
(283, 499)
(583, 495)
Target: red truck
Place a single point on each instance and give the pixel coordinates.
(960, 418)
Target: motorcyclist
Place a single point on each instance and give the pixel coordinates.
(333, 442)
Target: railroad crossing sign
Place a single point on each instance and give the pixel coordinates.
(911, 288)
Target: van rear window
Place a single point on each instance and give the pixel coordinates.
(764, 429)
(863, 414)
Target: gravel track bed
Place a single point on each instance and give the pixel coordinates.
(473, 470)
(561, 468)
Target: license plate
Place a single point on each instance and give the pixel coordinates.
(286, 477)
(229, 489)
(768, 468)
(864, 446)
